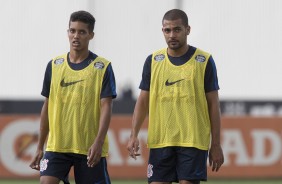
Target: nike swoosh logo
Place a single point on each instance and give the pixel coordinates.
(66, 84)
(171, 83)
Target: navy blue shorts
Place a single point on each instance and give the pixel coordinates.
(59, 165)
(171, 164)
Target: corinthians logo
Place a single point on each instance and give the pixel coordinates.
(159, 57)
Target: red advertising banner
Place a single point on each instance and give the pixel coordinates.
(252, 148)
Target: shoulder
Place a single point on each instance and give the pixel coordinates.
(202, 56)
(147, 64)
(99, 61)
(49, 65)
(149, 58)
(109, 68)
(59, 59)
(159, 55)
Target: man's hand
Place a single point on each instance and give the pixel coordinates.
(216, 158)
(94, 154)
(133, 147)
(35, 164)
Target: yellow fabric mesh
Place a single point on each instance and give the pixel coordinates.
(74, 106)
(178, 113)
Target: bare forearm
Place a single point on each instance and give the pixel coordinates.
(214, 114)
(44, 126)
(105, 118)
(215, 125)
(140, 112)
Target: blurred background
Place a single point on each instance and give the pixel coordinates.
(244, 38)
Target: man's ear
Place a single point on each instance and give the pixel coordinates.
(92, 35)
(188, 29)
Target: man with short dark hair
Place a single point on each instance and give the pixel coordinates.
(179, 89)
(79, 87)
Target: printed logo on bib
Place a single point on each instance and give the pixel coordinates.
(200, 58)
(99, 65)
(159, 57)
(59, 61)
(66, 84)
(172, 82)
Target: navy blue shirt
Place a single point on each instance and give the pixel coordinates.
(108, 87)
(211, 81)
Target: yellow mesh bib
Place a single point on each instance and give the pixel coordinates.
(178, 114)
(74, 106)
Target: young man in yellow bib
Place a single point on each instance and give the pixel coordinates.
(179, 89)
(79, 87)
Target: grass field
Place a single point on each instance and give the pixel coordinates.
(144, 182)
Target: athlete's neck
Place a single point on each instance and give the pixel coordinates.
(178, 52)
(78, 57)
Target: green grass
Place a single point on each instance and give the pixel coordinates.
(144, 182)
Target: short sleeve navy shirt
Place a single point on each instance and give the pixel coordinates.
(108, 86)
(211, 80)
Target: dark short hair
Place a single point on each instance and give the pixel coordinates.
(85, 17)
(175, 14)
